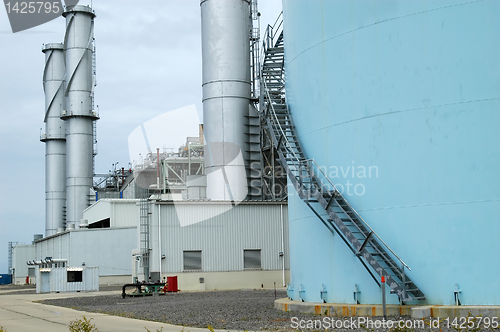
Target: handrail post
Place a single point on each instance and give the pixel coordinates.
(404, 282)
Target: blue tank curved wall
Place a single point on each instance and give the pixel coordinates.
(411, 91)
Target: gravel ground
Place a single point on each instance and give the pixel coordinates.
(251, 310)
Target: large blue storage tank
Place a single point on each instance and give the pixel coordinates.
(400, 100)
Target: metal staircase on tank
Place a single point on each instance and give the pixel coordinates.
(313, 185)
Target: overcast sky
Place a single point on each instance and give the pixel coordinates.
(148, 63)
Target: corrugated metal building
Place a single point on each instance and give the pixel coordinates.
(228, 247)
(107, 248)
(20, 254)
(116, 213)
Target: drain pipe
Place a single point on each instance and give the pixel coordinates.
(159, 207)
(159, 238)
(282, 253)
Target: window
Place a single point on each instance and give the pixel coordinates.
(31, 271)
(75, 276)
(251, 259)
(192, 260)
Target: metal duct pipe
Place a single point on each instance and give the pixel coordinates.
(226, 95)
(79, 114)
(54, 137)
(56, 260)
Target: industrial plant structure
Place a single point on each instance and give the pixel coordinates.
(383, 125)
(197, 213)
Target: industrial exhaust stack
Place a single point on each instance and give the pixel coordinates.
(79, 113)
(54, 138)
(226, 28)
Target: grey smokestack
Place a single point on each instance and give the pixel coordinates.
(78, 43)
(54, 138)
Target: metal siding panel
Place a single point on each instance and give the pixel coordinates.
(125, 214)
(286, 238)
(21, 254)
(110, 249)
(90, 279)
(222, 238)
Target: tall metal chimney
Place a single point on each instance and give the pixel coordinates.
(54, 138)
(79, 113)
(226, 95)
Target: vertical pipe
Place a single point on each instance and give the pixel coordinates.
(283, 242)
(384, 309)
(54, 138)
(403, 298)
(158, 170)
(79, 114)
(159, 239)
(226, 95)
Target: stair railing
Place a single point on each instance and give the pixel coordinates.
(269, 36)
(330, 187)
(311, 162)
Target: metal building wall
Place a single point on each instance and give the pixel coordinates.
(56, 246)
(57, 280)
(121, 212)
(20, 255)
(109, 249)
(79, 114)
(54, 138)
(412, 88)
(226, 95)
(222, 238)
(125, 213)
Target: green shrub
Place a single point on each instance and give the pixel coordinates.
(82, 325)
(157, 329)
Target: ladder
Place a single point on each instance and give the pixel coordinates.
(314, 187)
(253, 159)
(144, 229)
(11, 253)
(94, 123)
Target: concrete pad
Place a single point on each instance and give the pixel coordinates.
(421, 312)
(372, 310)
(341, 310)
(18, 313)
(452, 311)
